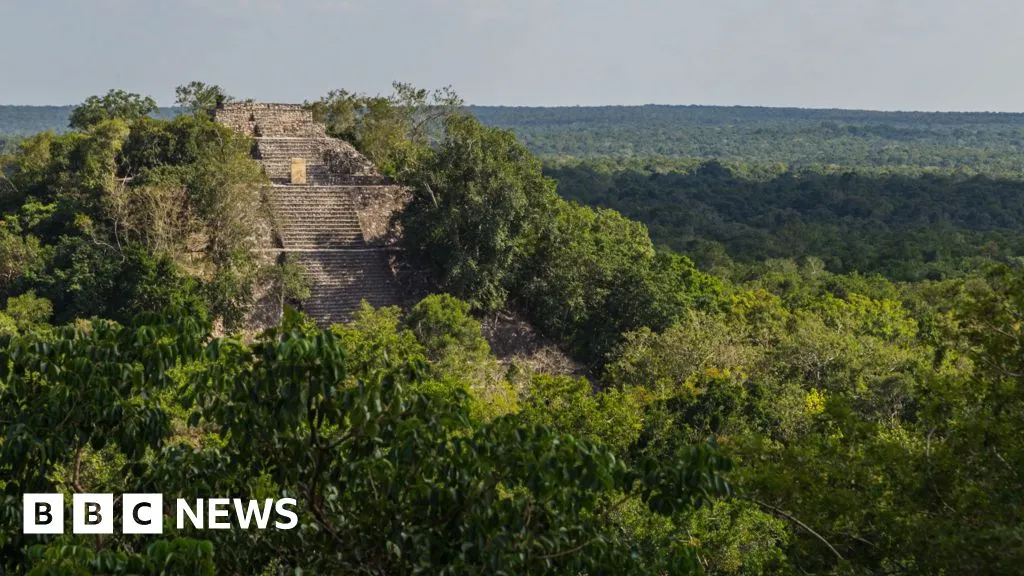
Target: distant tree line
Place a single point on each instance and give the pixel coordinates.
(985, 142)
(980, 141)
(30, 120)
(903, 225)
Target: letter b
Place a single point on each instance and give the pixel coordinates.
(93, 514)
(42, 514)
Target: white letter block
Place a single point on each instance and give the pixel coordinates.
(42, 514)
(142, 514)
(93, 514)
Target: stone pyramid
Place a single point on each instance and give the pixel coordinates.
(331, 208)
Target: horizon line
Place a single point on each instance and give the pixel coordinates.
(647, 105)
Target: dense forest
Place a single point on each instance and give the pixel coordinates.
(29, 120)
(834, 387)
(986, 142)
(903, 225)
(978, 141)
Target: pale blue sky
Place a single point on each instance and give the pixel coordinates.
(880, 54)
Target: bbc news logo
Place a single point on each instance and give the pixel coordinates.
(144, 514)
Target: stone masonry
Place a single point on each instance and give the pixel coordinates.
(331, 207)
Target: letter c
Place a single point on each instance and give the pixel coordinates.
(135, 513)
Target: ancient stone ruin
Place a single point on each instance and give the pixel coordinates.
(331, 208)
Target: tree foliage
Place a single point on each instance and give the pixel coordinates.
(390, 479)
(91, 216)
(200, 98)
(115, 104)
(866, 425)
(976, 142)
(394, 131)
(904, 225)
(479, 199)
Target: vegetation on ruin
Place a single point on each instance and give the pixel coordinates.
(129, 213)
(835, 387)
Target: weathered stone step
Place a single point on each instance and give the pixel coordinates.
(327, 159)
(332, 180)
(328, 215)
(314, 188)
(341, 217)
(321, 244)
(341, 280)
(321, 240)
(291, 228)
(325, 205)
(315, 217)
(318, 231)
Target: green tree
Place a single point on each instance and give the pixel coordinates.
(394, 131)
(613, 417)
(200, 98)
(479, 199)
(595, 275)
(444, 326)
(389, 479)
(114, 104)
(29, 310)
(186, 191)
(18, 254)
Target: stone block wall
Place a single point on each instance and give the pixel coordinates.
(270, 120)
(375, 207)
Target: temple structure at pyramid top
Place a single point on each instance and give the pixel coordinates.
(330, 205)
(287, 132)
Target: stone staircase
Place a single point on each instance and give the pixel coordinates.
(276, 154)
(326, 217)
(342, 279)
(328, 161)
(320, 217)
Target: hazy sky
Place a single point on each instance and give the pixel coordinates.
(880, 54)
